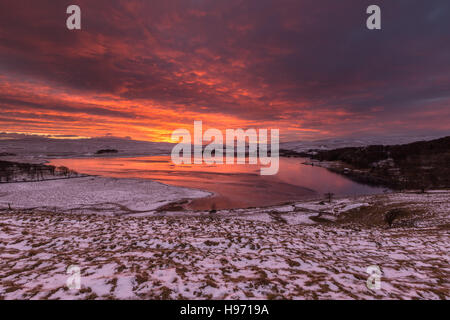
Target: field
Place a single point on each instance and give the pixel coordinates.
(298, 251)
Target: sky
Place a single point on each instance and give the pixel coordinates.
(142, 69)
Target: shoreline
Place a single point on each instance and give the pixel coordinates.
(94, 194)
(180, 204)
(44, 180)
(176, 202)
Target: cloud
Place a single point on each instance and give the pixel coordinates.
(144, 68)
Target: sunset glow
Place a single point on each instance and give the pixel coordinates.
(142, 69)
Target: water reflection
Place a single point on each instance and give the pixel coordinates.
(235, 186)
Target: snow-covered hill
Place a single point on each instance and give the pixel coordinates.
(335, 143)
(37, 149)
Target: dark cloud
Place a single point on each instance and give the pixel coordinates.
(77, 108)
(308, 64)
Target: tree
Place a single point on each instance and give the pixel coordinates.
(329, 196)
(63, 170)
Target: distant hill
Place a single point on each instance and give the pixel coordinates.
(38, 149)
(417, 165)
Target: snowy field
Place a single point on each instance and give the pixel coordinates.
(132, 241)
(283, 252)
(94, 195)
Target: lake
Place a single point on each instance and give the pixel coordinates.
(234, 186)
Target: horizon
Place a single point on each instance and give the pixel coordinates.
(395, 137)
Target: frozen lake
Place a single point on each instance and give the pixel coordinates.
(234, 186)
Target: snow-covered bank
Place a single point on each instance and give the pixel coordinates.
(94, 195)
(336, 143)
(241, 254)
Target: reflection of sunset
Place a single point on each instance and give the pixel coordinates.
(234, 185)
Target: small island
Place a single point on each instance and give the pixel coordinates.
(106, 151)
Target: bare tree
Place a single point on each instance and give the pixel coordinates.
(63, 170)
(329, 196)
